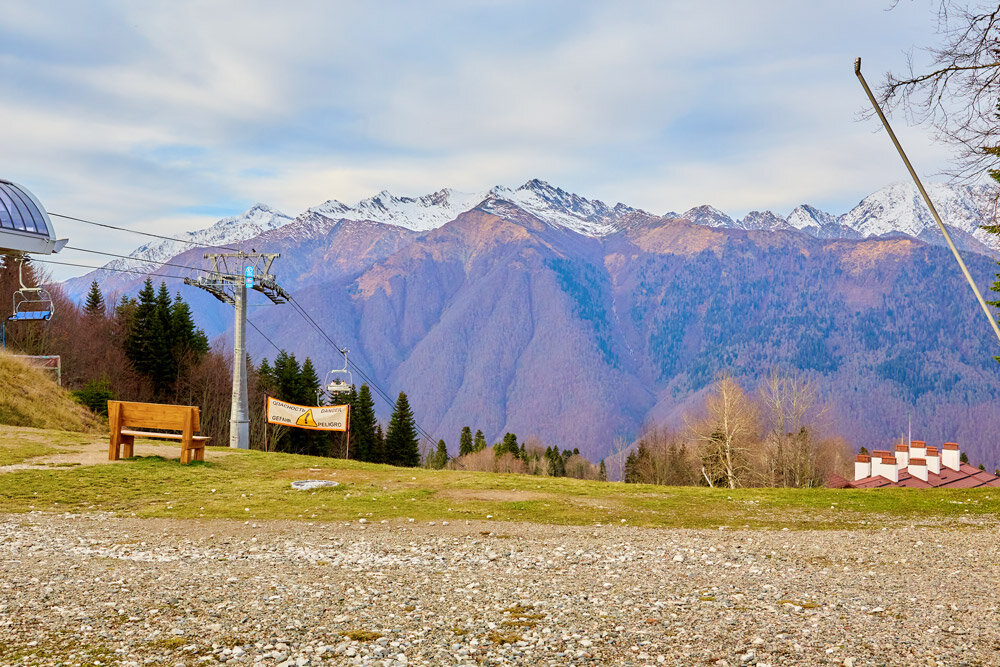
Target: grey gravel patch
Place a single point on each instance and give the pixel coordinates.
(95, 588)
(308, 484)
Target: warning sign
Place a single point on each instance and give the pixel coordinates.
(321, 418)
(306, 420)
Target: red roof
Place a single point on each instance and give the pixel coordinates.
(966, 477)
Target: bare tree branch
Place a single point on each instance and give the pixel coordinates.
(959, 94)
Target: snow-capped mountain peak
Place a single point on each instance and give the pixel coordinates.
(557, 207)
(415, 213)
(763, 220)
(708, 216)
(805, 216)
(256, 220)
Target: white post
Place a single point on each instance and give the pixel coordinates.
(239, 425)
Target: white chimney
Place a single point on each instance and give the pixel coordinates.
(888, 469)
(862, 467)
(933, 461)
(950, 456)
(918, 449)
(903, 455)
(918, 468)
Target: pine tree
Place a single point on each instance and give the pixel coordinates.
(363, 427)
(94, 306)
(162, 360)
(402, 445)
(309, 382)
(479, 443)
(439, 459)
(265, 377)
(465, 441)
(604, 472)
(378, 447)
(507, 446)
(186, 336)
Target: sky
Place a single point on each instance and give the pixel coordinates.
(166, 116)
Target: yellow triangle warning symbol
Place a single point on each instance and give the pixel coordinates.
(306, 419)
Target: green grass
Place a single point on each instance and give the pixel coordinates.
(254, 485)
(18, 452)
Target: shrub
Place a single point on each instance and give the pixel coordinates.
(95, 395)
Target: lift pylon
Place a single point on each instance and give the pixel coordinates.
(232, 274)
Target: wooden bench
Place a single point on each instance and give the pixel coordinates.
(184, 418)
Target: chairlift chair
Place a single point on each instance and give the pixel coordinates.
(25, 227)
(30, 303)
(339, 380)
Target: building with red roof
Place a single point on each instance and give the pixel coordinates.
(917, 466)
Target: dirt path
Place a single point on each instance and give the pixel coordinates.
(90, 450)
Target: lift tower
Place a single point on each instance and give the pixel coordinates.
(232, 274)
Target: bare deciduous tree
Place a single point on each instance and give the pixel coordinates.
(797, 452)
(728, 438)
(957, 94)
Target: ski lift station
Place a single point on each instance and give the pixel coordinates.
(24, 224)
(25, 228)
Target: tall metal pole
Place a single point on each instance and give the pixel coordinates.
(229, 284)
(927, 200)
(239, 424)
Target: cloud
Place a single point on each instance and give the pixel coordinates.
(140, 113)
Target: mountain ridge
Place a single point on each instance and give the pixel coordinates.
(616, 315)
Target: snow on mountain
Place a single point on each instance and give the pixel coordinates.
(819, 223)
(419, 214)
(806, 216)
(764, 220)
(897, 208)
(555, 206)
(900, 208)
(251, 223)
(550, 204)
(708, 216)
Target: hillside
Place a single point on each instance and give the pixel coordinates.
(31, 397)
(543, 313)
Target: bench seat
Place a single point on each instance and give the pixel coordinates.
(166, 436)
(122, 414)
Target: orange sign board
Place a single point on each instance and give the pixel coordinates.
(316, 418)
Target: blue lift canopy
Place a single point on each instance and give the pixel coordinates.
(24, 224)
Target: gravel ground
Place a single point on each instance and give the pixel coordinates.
(96, 589)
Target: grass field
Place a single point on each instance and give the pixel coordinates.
(254, 485)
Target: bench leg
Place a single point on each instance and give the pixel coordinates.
(185, 454)
(128, 446)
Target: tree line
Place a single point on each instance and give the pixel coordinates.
(365, 440)
(146, 348)
(778, 437)
(510, 456)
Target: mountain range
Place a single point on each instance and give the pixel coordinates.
(541, 312)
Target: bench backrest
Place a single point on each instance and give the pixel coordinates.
(154, 415)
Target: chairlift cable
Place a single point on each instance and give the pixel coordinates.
(263, 335)
(137, 259)
(368, 380)
(423, 432)
(103, 268)
(136, 231)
